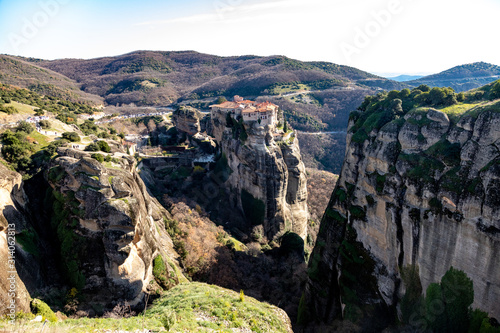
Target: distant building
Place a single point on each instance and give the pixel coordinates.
(266, 112)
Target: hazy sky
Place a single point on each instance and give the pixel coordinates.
(380, 36)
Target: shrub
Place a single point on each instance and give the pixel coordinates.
(44, 124)
(40, 308)
(168, 319)
(92, 147)
(8, 109)
(71, 136)
(103, 146)
(291, 242)
(98, 157)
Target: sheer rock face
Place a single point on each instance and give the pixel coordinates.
(119, 227)
(12, 221)
(410, 197)
(271, 173)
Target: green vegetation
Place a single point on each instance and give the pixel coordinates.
(356, 275)
(161, 274)
(17, 150)
(28, 239)
(455, 294)
(301, 118)
(237, 128)
(63, 222)
(135, 84)
(380, 182)
(225, 308)
(65, 110)
(98, 146)
(88, 127)
(357, 212)
(71, 136)
(287, 63)
(254, 208)
(380, 109)
(446, 305)
(446, 152)
(412, 300)
(287, 87)
(423, 167)
(98, 157)
(40, 308)
(340, 194)
(291, 242)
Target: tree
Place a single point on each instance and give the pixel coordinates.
(285, 126)
(44, 124)
(397, 106)
(25, 127)
(458, 293)
(404, 93)
(39, 112)
(435, 307)
(71, 136)
(221, 100)
(437, 96)
(447, 303)
(423, 88)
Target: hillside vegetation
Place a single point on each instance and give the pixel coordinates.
(188, 307)
(24, 73)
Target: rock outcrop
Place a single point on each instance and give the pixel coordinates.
(109, 227)
(12, 221)
(267, 177)
(187, 119)
(420, 190)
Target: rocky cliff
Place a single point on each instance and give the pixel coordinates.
(187, 119)
(12, 221)
(109, 227)
(267, 177)
(417, 188)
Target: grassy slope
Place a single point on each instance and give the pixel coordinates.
(196, 307)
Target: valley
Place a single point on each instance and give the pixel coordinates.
(181, 191)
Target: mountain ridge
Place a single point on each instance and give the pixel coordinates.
(462, 77)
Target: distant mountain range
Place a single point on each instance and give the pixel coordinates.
(316, 96)
(461, 78)
(403, 77)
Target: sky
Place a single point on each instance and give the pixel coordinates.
(386, 37)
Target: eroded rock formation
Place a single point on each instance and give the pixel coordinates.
(267, 178)
(421, 190)
(12, 222)
(109, 227)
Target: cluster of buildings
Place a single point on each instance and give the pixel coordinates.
(130, 116)
(36, 119)
(266, 112)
